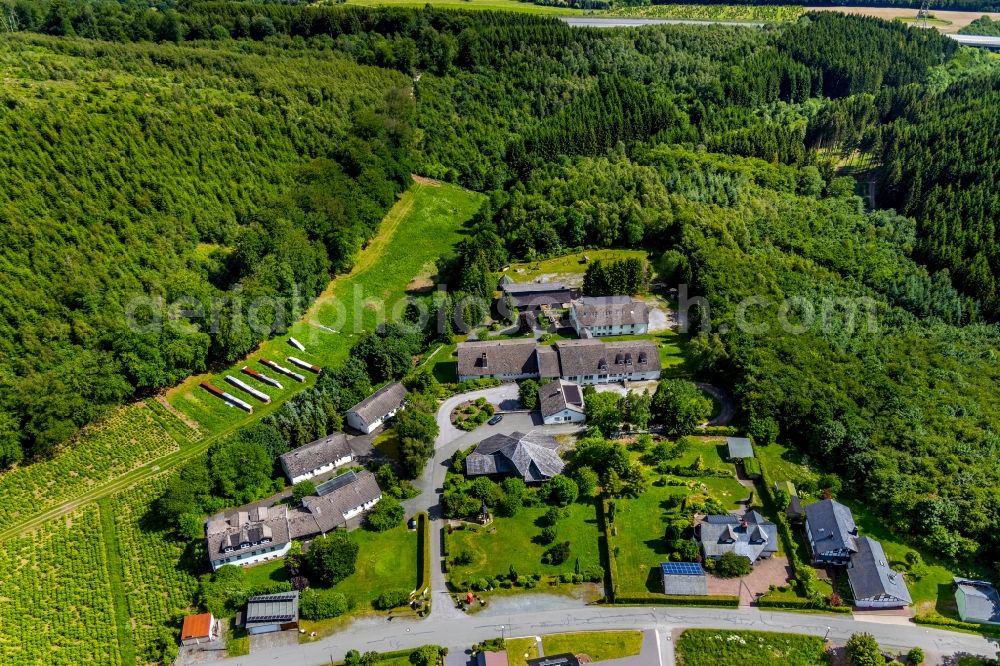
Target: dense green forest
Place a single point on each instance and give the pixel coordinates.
(983, 25)
(135, 170)
(709, 146)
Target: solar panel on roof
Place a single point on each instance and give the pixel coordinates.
(573, 394)
(683, 568)
(328, 487)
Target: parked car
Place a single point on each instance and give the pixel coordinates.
(497, 418)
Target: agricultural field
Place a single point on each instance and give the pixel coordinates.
(512, 542)
(425, 222)
(598, 645)
(57, 599)
(495, 5)
(754, 13)
(127, 439)
(711, 647)
(158, 573)
(639, 524)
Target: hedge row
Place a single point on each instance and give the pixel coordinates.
(719, 431)
(764, 602)
(424, 551)
(934, 619)
(611, 580)
(715, 601)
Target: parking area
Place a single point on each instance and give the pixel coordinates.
(774, 571)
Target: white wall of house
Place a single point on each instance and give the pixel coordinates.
(599, 331)
(881, 601)
(506, 378)
(251, 557)
(358, 423)
(615, 377)
(565, 416)
(329, 467)
(360, 509)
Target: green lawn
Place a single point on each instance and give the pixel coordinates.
(598, 645)
(424, 224)
(519, 650)
(785, 464)
(443, 363)
(511, 541)
(386, 561)
(640, 522)
(567, 264)
(712, 647)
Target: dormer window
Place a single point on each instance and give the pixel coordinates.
(244, 544)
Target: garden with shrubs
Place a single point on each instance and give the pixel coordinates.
(471, 414)
(534, 535)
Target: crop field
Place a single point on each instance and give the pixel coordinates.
(512, 542)
(129, 438)
(710, 647)
(425, 222)
(56, 603)
(496, 5)
(160, 587)
(754, 13)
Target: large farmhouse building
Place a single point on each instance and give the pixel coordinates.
(595, 316)
(257, 533)
(873, 582)
(579, 361)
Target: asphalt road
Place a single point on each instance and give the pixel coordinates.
(459, 633)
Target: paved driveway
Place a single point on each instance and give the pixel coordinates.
(765, 573)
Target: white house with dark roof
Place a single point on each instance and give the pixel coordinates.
(497, 359)
(751, 536)
(530, 456)
(336, 503)
(248, 535)
(561, 402)
(873, 582)
(831, 532)
(315, 458)
(534, 295)
(377, 408)
(596, 316)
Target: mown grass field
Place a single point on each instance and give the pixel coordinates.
(753, 13)
(598, 645)
(424, 224)
(511, 542)
(519, 650)
(567, 264)
(712, 647)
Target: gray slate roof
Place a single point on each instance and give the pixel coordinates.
(870, 575)
(497, 357)
(314, 455)
(752, 536)
(556, 396)
(596, 357)
(548, 362)
(593, 311)
(531, 456)
(982, 602)
(251, 524)
(739, 447)
(831, 526)
(380, 403)
(319, 515)
(535, 294)
(281, 608)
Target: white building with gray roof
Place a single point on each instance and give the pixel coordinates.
(248, 535)
(977, 601)
(873, 582)
(315, 458)
(596, 316)
(377, 408)
(561, 402)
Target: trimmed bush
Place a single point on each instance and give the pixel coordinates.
(391, 599)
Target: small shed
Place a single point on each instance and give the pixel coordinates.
(739, 448)
(686, 578)
(198, 629)
(977, 601)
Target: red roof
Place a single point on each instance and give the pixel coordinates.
(196, 626)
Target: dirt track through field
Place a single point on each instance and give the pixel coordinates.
(958, 20)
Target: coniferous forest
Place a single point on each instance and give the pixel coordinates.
(289, 130)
